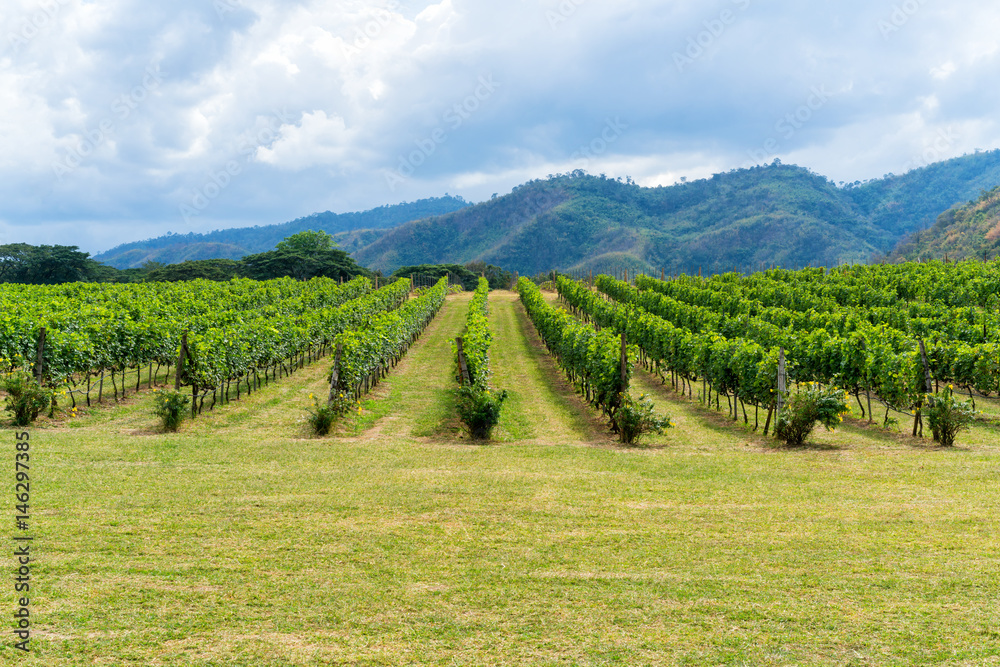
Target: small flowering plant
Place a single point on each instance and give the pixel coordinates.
(810, 405)
(322, 416)
(171, 406)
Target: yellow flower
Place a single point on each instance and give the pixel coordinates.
(311, 396)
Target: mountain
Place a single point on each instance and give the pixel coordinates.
(774, 214)
(748, 217)
(236, 243)
(745, 218)
(971, 231)
(902, 205)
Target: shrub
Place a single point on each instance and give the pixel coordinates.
(804, 409)
(635, 418)
(947, 416)
(322, 416)
(480, 410)
(25, 397)
(171, 406)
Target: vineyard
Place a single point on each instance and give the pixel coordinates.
(894, 334)
(540, 538)
(220, 338)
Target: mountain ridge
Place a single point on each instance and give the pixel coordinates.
(238, 242)
(745, 218)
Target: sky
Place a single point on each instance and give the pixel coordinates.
(122, 120)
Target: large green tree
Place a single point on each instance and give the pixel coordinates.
(45, 264)
(305, 255)
(306, 242)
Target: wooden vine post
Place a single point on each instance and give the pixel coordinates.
(180, 361)
(928, 388)
(624, 365)
(782, 381)
(183, 357)
(928, 383)
(463, 366)
(335, 373)
(40, 356)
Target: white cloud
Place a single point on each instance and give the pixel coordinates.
(318, 140)
(315, 101)
(944, 71)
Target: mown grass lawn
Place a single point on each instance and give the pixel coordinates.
(242, 540)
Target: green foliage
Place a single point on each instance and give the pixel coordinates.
(947, 416)
(477, 338)
(434, 272)
(807, 407)
(306, 242)
(45, 265)
(479, 410)
(497, 277)
(636, 417)
(235, 327)
(478, 407)
(856, 327)
(25, 397)
(205, 269)
(171, 407)
(591, 359)
(301, 265)
(384, 337)
(686, 340)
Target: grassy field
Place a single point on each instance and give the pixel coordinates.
(242, 540)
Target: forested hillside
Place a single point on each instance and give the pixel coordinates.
(239, 242)
(901, 205)
(971, 231)
(775, 214)
(746, 218)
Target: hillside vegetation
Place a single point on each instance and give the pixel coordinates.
(743, 219)
(971, 231)
(239, 242)
(902, 205)
(775, 214)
